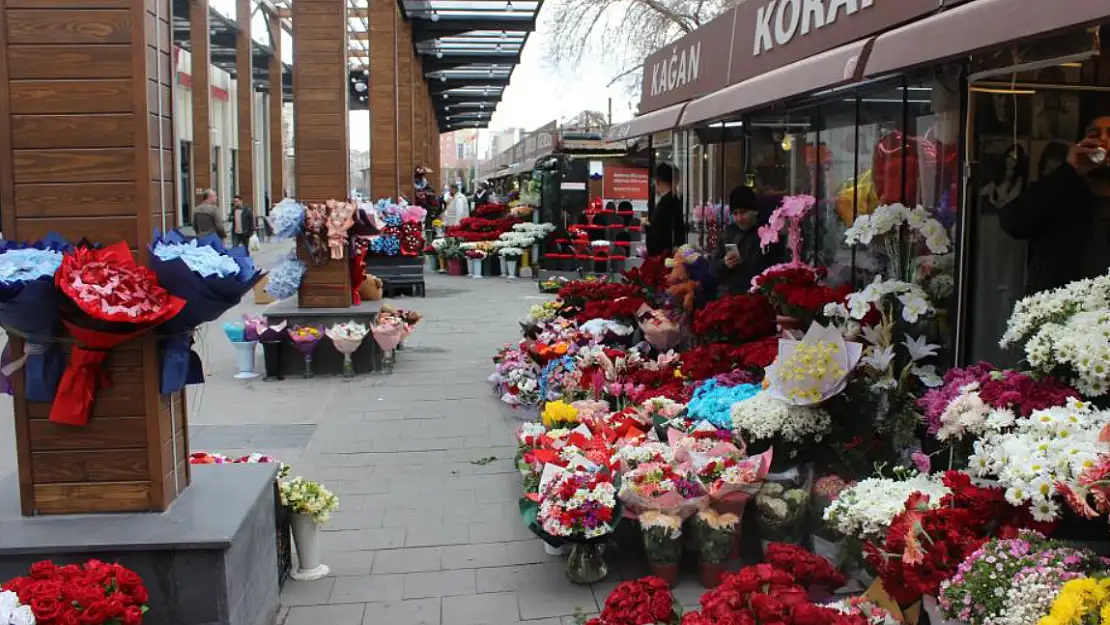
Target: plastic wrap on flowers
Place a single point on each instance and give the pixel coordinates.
(287, 218)
(108, 300)
(236, 331)
(814, 369)
(661, 332)
(341, 218)
(388, 331)
(305, 339)
(29, 308)
(347, 337)
(285, 278)
(211, 279)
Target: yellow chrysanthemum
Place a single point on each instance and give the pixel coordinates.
(559, 414)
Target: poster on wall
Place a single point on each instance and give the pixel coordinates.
(626, 184)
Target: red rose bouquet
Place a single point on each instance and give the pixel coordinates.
(645, 601)
(109, 299)
(807, 568)
(95, 593)
(798, 290)
(707, 361)
(734, 319)
(622, 308)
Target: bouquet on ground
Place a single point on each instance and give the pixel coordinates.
(809, 570)
(388, 329)
(94, 593)
(211, 279)
(731, 479)
(347, 337)
(659, 486)
(305, 339)
(865, 510)
(647, 600)
(782, 506)
(29, 309)
(109, 300)
(575, 505)
(1013, 581)
(1082, 600)
(791, 429)
(715, 534)
(662, 534)
(308, 498)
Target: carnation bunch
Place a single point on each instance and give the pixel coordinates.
(308, 498)
(658, 486)
(579, 505)
(790, 427)
(865, 510)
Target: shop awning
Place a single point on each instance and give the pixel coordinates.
(976, 26)
(649, 123)
(820, 71)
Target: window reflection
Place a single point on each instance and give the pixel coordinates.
(837, 195)
(887, 160)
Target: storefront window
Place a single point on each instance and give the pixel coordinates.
(882, 177)
(836, 196)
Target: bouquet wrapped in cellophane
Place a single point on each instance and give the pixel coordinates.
(347, 338)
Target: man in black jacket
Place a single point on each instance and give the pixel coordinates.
(666, 229)
(1066, 216)
(739, 257)
(242, 223)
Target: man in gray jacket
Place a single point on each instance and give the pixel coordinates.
(207, 218)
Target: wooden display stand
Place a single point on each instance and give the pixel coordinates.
(325, 285)
(124, 460)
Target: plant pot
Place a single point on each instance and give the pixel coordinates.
(710, 573)
(430, 263)
(586, 563)
(666, 572)
(476, 268)
(306, 535)
(455, 267)
(504, 265)
(511, 269)
(244, 358)
(271, 354)
(442, 262)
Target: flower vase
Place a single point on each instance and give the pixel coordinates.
(710, 573)
(504, 266)
(524, 259)
(455, 267)
(442, 264)
(244, 358)
(475, 268)
(271, 354)
(737, 508)
(550, 550)
(430, 263)
(348, 366)
(586, 563)
(511, 272)
(308, 372)
(306, 535)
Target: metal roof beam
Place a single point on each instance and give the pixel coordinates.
(425, 30)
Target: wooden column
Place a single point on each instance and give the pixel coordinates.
(199, 39)
(320, 99)
(244, 69)
(405, 64)
(385, 19)
(419, 116)
(277, 110)
(86, 150)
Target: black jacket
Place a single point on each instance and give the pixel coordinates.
(1055, 215)
(667, 230)
(247, 217)
(752, 260)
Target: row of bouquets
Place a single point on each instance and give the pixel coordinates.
(103, 298)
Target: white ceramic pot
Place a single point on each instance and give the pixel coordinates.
(430, 264)
(511, 273)
(475, 268)
(504, 265)
(306, 535)
(244, 357)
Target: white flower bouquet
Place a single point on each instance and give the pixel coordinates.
(509, 251)
(308, 498)
(12, 612)
(865, 510)
(765, 418)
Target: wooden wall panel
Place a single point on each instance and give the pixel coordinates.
(86, 150)
(320, 99)
(384, 21)
(245, 95)
(405, 138)
(277, 95)
(201, 164)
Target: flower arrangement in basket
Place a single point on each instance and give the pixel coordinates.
(108, 300)
(93, 593)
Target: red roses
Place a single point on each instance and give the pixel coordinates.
(807, 568)
(798, 290)
(95, 593)
(645, 601)
(474, 229)
(735, 319)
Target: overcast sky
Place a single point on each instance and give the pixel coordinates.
(538, 94)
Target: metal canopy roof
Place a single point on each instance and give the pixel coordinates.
(223, 33)
(470, 49)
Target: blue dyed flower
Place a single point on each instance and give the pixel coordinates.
(713, 402)
(28, 263)
(201, 259)
(285, 279)
(287, 219)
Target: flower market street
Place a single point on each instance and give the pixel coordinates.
(428, 530)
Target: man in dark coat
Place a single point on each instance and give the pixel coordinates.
(739, 257)
(242, 223)
(666, 229)
(1066, 216)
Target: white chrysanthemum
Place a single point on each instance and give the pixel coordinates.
(865, 510)
(762, 417)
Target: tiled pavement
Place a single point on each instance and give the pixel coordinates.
(426, 534)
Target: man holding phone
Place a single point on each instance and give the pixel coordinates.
(1065, 216)
(739, 258)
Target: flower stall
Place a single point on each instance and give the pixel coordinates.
(494, 241)
(812, 427)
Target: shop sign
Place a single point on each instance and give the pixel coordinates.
(770, 34)
(694, 65)
(625, 183)
(540, 142)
